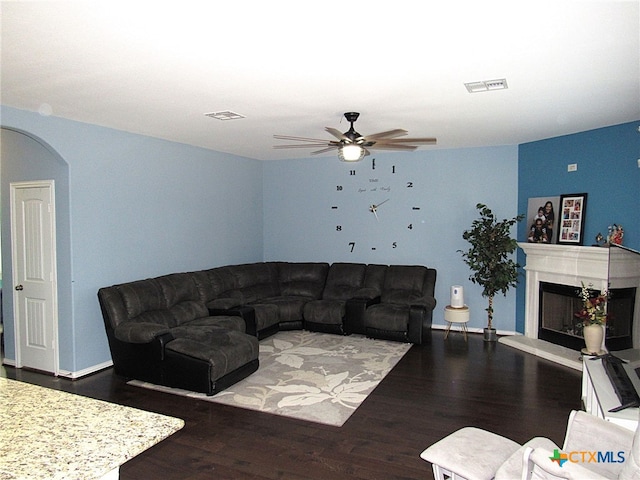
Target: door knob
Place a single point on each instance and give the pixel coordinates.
(19, 287)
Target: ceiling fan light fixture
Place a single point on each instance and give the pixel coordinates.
(351, 153)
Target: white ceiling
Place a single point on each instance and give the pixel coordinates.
(294, 67)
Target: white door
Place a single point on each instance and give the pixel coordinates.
(34, 275)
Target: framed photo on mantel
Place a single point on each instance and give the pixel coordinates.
(573, 208)
(541, 219)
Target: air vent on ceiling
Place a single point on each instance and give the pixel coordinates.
(225, 115)
(487, 85)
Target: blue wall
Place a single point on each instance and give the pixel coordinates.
(299, 223)
(608, 172)
(138, 207)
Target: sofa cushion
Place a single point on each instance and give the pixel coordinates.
(390, 317)
(374, 278)
(213, 282)
(182, 297)
(251, 282)
(142, 296)
(344, 280)
(225, 350)
(287, 308)
(139, 332)
(220, 321)
(328, 312)
(403, 284)
(302, 279)
(266, 315)
(221, 279)
(253, 293)
(225, 303)
(250, 274)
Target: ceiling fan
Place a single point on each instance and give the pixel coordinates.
(353, 146)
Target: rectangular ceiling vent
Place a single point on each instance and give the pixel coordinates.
(487, 85)
(225, 115)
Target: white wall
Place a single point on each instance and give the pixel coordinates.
(300, 223)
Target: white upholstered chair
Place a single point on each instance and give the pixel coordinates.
(593, 448)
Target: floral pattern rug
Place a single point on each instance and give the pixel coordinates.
(311, 376)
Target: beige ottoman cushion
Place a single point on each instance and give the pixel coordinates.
(470, 452)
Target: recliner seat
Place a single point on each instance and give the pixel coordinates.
(406, 304)
(345, 281)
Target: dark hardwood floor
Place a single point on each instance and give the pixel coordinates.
(433, 391)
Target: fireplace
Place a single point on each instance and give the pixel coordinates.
(615, 268)
(559, 325)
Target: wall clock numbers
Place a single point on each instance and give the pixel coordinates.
(372, 209)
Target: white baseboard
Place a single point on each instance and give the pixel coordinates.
(66, 373)
(437, 326)
(86, 371)
(9, 361)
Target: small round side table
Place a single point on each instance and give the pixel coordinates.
(456, 315)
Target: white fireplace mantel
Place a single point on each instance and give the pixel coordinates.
(573, 266)
(567, 265)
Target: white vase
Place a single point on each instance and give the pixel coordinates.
(593, 335)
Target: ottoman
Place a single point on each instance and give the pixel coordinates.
(212, 358)
(469, 453)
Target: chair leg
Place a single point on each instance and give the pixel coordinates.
(440, 473)
(463, 329)
(446, 333)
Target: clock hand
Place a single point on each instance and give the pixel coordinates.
(385, 201)
(374, 209)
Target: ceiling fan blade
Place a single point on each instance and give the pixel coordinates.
(303, 145)
(338, 134)
(328, 149)
(300, 139)
(392, 146)
(397, 132)
(421, 141)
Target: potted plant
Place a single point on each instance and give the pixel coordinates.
(489, 258)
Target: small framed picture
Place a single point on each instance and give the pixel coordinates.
(573, 208)
(541, 219)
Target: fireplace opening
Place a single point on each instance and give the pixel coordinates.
(558, 323)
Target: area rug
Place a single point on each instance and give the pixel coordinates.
(311, 376)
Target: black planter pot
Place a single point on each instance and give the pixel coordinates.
(490, 335)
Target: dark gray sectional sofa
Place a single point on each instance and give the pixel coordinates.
(200, 330)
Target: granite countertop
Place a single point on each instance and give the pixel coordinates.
(50, 434)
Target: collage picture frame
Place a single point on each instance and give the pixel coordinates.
(573, 208)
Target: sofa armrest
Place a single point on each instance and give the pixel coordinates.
(427, 302)
(355, 309)
(139, 332)
(419, 328)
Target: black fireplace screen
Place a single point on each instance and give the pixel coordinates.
(558, 323)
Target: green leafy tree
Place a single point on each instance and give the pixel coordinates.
(489, 255)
